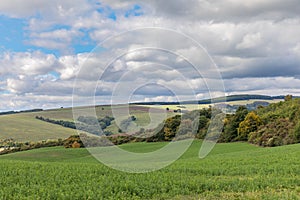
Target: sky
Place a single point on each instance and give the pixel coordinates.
(106, 51)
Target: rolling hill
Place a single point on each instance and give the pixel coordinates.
(22, 126)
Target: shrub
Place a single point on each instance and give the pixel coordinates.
(73, 139)
(276, 133)
(250, 124)
(76, 145)
(297, 132)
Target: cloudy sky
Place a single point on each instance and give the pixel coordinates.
(44, 45)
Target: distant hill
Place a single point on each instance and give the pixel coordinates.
(24, 126)
(23, 111)
(229, 98)
(218, 100)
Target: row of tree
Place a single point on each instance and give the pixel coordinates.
(85, 123)
(11, 146)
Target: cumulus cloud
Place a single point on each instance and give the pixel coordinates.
(231, 10)
(57, 39)
(56, 8)
(255, 45)
(20, 85)
(27, 63)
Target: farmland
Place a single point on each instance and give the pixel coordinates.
(236, 170)
(231, 171)
(24, 127)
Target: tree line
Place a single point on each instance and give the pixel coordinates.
(273, 125)
(85, 123)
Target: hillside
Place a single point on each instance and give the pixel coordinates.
(229, 98)
(25, 127)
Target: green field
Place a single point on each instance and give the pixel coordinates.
(231, 171)
(24, 127)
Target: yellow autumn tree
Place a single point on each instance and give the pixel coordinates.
(171, 127)
(250, 124)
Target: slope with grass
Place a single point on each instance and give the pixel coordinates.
(25, 127)
(231, 171)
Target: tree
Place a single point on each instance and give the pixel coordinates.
(171, 127)
(202, 127)
(240, 114)
(250, 124)
(297, 132)
(232, 123)
(73, 141)
(275, 133)
(186, 127)
(202, 122)
(133, 118)
(126, 123)
(288, 97)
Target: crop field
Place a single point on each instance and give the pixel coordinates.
(190, 107)
(231, 171)
(244, 102)
(101, 111)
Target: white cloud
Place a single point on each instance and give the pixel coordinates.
(27, 63)
(55, 8)
(62, 35)
(161, 99)
(250, 41)
(254, 43)
(20, 85)
(232, 10)
(70, 66)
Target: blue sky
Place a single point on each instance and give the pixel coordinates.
(12, 36)
(45, 44)
(15, 34)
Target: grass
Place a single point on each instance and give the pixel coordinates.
(24, 127)
(188, 107)
(191, 107)
(231, 171)
(244, 102)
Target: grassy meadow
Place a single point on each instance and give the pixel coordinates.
(24, 127)
(230, 171)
